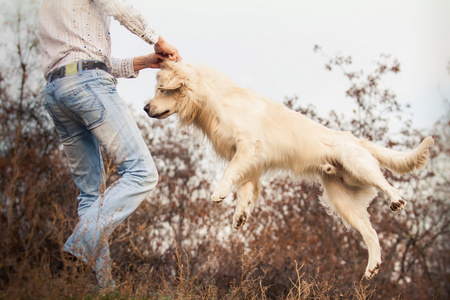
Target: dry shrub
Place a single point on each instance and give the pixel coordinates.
(179, 245)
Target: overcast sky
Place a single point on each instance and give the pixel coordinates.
(267, 46)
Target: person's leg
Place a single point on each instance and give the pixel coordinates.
(81, 148)
(86, 165)
(117, 132)
(107, 117)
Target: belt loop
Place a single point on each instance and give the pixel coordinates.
(50, 77)
(80, 67)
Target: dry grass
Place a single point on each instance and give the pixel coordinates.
(38, 213)
(28, 272)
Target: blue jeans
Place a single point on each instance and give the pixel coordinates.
(89, 115)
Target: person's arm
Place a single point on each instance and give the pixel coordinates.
(130, 18)
(130, 67)
(152, 60)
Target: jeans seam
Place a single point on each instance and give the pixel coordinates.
(58, 124)
(102, 116)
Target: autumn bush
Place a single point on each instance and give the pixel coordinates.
(179, 245)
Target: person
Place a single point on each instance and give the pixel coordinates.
(88, 113)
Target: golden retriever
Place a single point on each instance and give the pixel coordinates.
(257, 135)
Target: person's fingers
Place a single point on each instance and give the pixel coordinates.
(160, 56)
(175, 56)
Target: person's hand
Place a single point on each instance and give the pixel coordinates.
(165, 49)
(152, 60)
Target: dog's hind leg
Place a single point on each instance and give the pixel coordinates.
(364, 169)
(247, 196)
(351, 206)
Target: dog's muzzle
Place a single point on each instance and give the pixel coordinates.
(147, 109)
(152, 114)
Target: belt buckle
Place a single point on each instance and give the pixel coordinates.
(71, 69)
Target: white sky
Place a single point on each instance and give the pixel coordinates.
(267, 45)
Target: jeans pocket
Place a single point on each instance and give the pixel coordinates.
(85, 103)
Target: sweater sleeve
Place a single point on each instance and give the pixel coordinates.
(129, 17)
(123, 67)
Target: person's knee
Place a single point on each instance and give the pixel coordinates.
(148, 175)
(150, 180)
(140, 173)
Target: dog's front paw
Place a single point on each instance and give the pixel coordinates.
(216, 198)
(239, 221)
(220, 193)
(397, 205)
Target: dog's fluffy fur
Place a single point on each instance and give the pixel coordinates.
(257, 135)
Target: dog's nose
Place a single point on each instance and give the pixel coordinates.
(147, 108)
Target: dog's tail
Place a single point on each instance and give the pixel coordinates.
(401, 162)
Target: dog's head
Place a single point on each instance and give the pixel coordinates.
(174, 92)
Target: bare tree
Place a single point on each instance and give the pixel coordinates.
(33, 174)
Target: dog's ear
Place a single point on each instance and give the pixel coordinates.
(172, 84)
(171, 76)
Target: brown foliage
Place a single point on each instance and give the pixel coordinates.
(178, 245)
